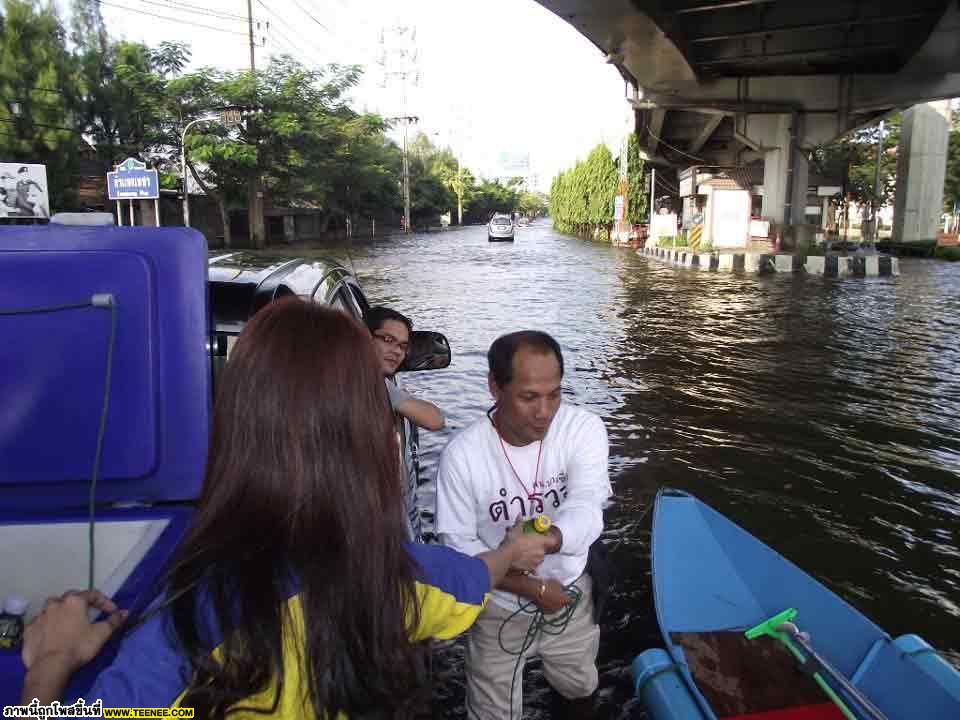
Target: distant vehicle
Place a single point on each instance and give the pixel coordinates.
(500, 229)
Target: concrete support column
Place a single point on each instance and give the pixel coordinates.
(785, 169)
(921, 167)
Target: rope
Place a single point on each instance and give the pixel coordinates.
(97, 301)
(540, 624)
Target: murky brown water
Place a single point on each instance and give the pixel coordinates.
(822, 415)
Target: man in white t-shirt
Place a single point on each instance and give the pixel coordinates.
(531, 455)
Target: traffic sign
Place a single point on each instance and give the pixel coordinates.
(132, 181)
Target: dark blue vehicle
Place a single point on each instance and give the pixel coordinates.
(110, 343)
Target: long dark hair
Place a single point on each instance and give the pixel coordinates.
(302, 490)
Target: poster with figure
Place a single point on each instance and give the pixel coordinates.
(23, 191)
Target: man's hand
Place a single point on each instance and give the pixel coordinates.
(62, 634)
(554, 598)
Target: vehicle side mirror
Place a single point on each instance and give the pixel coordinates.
(428, 351)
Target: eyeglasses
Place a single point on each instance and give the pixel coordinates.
(388, 339)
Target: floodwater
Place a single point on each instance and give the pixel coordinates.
(822, 415)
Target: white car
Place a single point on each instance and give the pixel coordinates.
(500, 229)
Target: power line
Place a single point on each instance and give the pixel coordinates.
(309, 15)
(289, 47)
(168, 17)
(668, 186)
(664, 142)
(174, 5)
(45, 125)
(286, 25)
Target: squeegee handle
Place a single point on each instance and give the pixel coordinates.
(818, 678)
(872, 710)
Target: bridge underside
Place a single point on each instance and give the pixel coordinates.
(728, 82)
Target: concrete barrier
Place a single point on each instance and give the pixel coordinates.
(837, 266)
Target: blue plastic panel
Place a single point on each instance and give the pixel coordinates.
(138, 588)
(52, 365)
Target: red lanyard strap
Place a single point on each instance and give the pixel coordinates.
(536, 472)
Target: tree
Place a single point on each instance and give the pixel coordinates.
(581, 198)
(39, 96)
(532, 204)
(489, 197)
(951, 183)
(853, 159)
(637, 207)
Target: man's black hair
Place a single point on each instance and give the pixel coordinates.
(500, 355)
(377, 316)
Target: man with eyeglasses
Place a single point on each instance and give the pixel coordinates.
(391, 340)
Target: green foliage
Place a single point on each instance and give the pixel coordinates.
(489, 197)
(582, 197)
(533, 204)
(637, 208)
(948, 252)
(304, 148)
(671, 242)
(854, 157)
(951, 184)
(431, 191)
(39, 98)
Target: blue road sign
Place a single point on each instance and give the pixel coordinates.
(132, 181)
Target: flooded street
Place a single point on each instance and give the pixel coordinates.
(822, 415)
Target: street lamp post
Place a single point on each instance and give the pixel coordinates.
(229, 117)
(183, 161)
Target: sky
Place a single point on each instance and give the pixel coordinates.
(501, 76)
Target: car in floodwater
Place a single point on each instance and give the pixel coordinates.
(240, 283)
(500, 228)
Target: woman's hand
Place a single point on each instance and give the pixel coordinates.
(527, 549)
(62, 634)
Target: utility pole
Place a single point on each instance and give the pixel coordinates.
(253, 61)
(876, 187)
(398, 59)
(255, 192)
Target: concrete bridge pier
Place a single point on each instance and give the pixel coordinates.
(921, 167)
(785, 165)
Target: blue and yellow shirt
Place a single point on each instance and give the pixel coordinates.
(151, 671)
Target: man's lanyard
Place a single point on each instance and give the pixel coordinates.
(536, 472)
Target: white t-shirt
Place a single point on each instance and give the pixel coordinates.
(479, 497)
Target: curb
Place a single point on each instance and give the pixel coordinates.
(833, 266)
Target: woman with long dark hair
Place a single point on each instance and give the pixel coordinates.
(293, 593)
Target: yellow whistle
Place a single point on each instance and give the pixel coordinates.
(539, 524)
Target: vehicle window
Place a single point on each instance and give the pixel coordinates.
(360, 299)
(343, 300)
(338, 302)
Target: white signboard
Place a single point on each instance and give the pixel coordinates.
(760, 228)
(664, 225)
(731, 218)
(618, 208)
(24, 191)
(686, 187)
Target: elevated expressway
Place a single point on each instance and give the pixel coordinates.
(727, 82)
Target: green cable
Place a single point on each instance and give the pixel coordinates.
(539, 624)
(105, 300)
